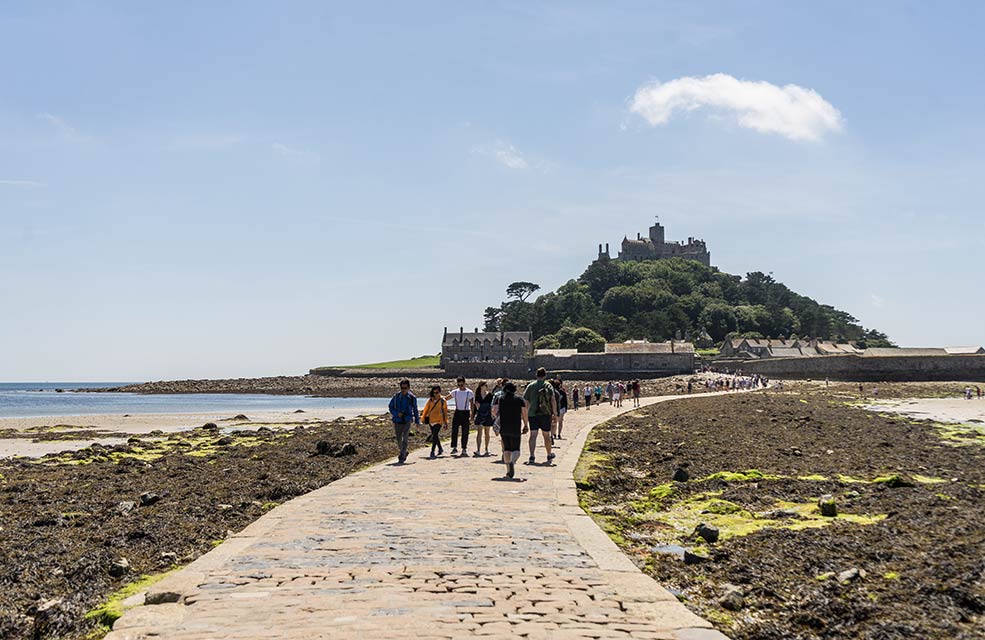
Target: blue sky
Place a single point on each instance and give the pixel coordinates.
(246, 188)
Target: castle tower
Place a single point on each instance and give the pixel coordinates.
(657, 237)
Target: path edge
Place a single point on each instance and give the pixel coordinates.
(641, 592)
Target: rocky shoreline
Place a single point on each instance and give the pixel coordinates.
(80, 526)
(798, 514)
(342, 386)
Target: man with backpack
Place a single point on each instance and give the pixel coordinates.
(541, 401)
(403, 411)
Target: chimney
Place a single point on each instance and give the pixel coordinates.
(445, 337)
(639, 236)
(477, 330)
(461, 334)
(600, 249)
(607, 247)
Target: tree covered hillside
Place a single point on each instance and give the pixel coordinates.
(663, 299)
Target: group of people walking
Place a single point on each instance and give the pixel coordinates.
(539, 411)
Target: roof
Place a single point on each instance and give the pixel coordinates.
(636, 346)
(904, 351)
(491, 336)
(836, 348)
(786, 352)
(557, 353)
(960, 351)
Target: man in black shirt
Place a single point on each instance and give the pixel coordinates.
(512, 412)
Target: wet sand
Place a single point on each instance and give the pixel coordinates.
(106, 428)
(953, 410)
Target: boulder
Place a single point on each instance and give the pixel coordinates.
(119, 568)
(225, 440)
(694, 558)
(325, 448)
(681, 475)
(210, 426)
(707, 532)
(732, 598)
(124, 508)
(850, 575)
(828, 506)
(148, 498)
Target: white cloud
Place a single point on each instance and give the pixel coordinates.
(59, 124)
(27, 184)
(790, 111)
(293, 153)
(509, 156)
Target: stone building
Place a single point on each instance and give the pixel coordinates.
(655, 247)
(485, 346)
(621, 359)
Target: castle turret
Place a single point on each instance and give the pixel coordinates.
(657, 236)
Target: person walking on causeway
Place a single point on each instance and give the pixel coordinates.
(510, 412)
(403, 412)
(483, 417)
(541, 407)
(435, 415)
(463, 416)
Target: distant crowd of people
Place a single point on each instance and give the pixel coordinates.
(734, 382)
(539, 411)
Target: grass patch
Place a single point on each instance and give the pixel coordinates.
(420, 362)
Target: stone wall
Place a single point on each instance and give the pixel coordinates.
(612, 366)
(870, 368)
(619, 363)
(489, 370)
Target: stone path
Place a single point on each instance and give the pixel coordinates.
(431, 549)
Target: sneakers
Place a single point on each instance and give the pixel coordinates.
(551, 456)
(531, 460)
(510, 470)
(432, 456)
(454, 450)
(476, 454)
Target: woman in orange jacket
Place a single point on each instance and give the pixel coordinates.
(435, 415)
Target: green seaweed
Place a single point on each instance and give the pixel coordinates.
(740, 476)
(113, 608)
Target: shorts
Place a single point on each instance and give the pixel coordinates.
(460, 418)
(511, 443)
(562, 411)
(540, 422)
(616, 395)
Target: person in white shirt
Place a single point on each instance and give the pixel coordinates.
(463, 416)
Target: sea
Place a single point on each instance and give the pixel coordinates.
(43, 399)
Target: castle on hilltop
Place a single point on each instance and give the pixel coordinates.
(655, 247)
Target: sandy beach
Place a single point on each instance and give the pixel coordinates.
(37, 436)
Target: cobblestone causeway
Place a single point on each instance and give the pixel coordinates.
(431, 549)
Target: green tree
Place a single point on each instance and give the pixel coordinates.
(582, 338)
(520, 291)
(550, 341)
(718, 319)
